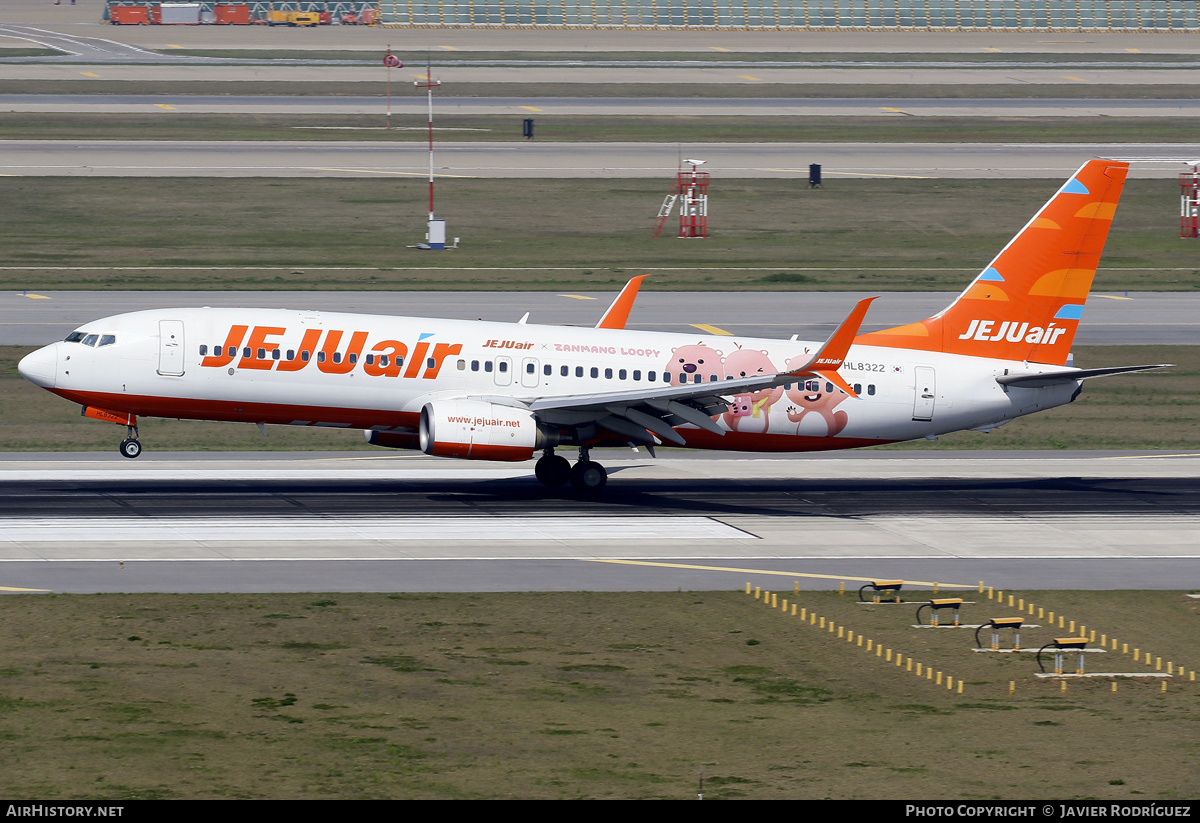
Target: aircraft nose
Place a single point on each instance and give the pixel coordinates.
(40, 367)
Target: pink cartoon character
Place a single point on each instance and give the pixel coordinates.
(751, 412)
(695, 364)
(812, 406)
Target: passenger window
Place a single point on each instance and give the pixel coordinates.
(595, 372)
(430, 363)
(651, 376)
(462, 365)
(622, 374)
(829, 388)
(637, 374)
(203, 351)
(503, 364)
(871, 389)
(246, 352)
(547, 370)
(370, 361)
(608, 374)
(487, 365)
(320, 357)
(337, 356)
(353, 357)
(564, 371)
(262, 354)
(529, 368)
(858, 388)
(474, 365)
(291, 354)
(579, 371)
(304, 355)
(383, 360)
(274, 354)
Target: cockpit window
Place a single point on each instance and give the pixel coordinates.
(74, 337)
(91, 339)
(107, 339)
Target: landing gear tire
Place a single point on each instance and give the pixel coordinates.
(553, 471)
(130, 448)
(588, 477)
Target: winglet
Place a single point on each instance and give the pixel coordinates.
(829, 357)
(618, 313)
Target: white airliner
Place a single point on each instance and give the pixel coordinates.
(506, 391)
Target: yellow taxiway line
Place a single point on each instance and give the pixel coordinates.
(711, 329)
(770, 571)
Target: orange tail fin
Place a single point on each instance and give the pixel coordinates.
(1027, 304)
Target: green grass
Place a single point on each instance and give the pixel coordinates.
(893, 128)
(29, 52)
(1143, 411)
(575, 695)
(765, 234)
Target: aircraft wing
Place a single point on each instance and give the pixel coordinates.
(633, 412)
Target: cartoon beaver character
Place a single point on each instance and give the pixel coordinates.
(751, 412)
(688, 362)
(813, 411)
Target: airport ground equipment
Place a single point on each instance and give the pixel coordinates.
(881, 588)
(814, 176)
(937, 606)
(691, 193)
(1061, 646)
(1189, 203)
(999, 623)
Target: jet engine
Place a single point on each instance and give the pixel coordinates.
(478, 430)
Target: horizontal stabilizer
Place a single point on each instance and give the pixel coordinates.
(1041, 381)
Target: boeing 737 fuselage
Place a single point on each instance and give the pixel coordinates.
(506, 391)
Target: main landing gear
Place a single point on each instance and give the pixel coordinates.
(130, 447)
(585, 476)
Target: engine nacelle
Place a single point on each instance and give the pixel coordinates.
(478, 430)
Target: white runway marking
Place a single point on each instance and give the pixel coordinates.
(112, 538)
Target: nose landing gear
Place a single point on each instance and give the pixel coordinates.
(130, 447)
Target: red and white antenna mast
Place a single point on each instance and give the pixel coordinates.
(436, 236)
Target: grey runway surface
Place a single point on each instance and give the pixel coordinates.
(410, 106)
(1139, 318)
(167, 68)
(576, 160)
(338, 523)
